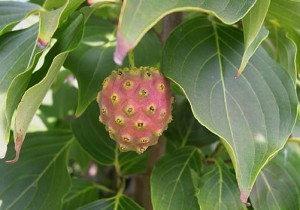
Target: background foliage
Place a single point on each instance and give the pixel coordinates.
(233, 67)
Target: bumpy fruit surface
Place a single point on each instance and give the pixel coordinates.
(135, 105)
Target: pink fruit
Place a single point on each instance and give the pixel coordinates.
(135, 105)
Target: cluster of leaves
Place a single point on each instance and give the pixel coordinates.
(233, 141)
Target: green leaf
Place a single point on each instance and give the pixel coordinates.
(81, 158)
(254, 34)
(121, 202)
(278, 186)
(285, 12)
(59, 113)
(294, 35)
(40, 179)
(186, 130)
(138, 16)
(171, 185)
(56, 12)
(81, 193)
(33, 97)
(93, 137)
(17, 49)
(13, 12)
(102, 4)
(92, 61)
(283, 49)
(254, 114)
(296, 131)
(283, 16)
(218, 189)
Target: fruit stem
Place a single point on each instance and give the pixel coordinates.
(131, 58)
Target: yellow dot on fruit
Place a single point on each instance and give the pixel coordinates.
(129, 110)
(128, 84)
(114, 98)
(143, 92)
(161, 87)
(162, 114)
(147, 75)
(126, 139)
(151, 109)
(144, 140)
(119, 120)
(103, 110)
(140, 124)
(123, 148)
(105, 82)
(158, 133)
(141, 150)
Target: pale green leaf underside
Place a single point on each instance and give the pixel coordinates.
(218, 189)
(285, 12)
(16, 53)
(282, 47)
(13, 12)
(254, 34)
(139, 16)
(56, 13)
(171, 180)
(118, 202)
(277, 186)
(33, 97)
(40, 179)
(254, 114)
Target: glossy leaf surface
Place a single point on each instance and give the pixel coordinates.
(254, 114)
(138, 16)
(171, 180)
(40, 179)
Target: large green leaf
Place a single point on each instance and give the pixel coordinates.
(93, 137)
(33, 97)
(284, 15)
(254, 114)
(17, 49)
(186, 130)
(285, 12)
(138, 16)
(254, 33)
(40, 179)
(120, 202)
(171, 180)
(218, 189)
(12, 12)
(93, 61)
(282, 48)
(278, 185)
(81, 193)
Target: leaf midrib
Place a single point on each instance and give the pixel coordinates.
(55, 157)
(179, 176)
